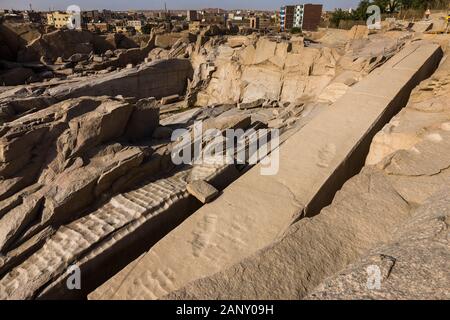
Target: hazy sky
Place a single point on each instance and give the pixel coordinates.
(171, 4)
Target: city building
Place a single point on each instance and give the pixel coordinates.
(98, 27)
(210, 17)
(195, 26)
(264, 23)
(192, 15)
(254, 22)
(32, 16)
(302, 16)
(287, 17)
(259, 22)
(91, 16)
(58, 19)
(121, 26)
(136, 24)
(312, 14)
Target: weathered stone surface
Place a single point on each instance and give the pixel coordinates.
(143, 82)
(402, 180)
(89, 130)
(237, 41)
(100, 235)
(166, 41)
(251, 105)
(263, 68)
(68, 150)
(312, 165)
(92, 178)
(143, 120)
(15, 76)
(413, 265)
(131, 55)
(170, 99)
(425, 118)
(312, 248)
(228, 122)
(202, 190)
(15, 220)
(59, 43)
(162, 133)
(422, 26)
(15, 36)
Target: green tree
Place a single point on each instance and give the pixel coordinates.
(389, 5)
(339, 15)
(361, 11)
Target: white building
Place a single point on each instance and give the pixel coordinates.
(298, 16)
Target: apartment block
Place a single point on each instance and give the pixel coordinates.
(287, 17)
(192, 15)
(259, 22)
(254, 22)
(98, 27)
(58, 19)
(302, 16)
(136, 24)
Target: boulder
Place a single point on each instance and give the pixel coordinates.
(78, 57)
(202, 190)
(59, 43)
(144, 120)
(16, 76)
(251, 105)
(162, 133)
(107, 122)
(237, 41)
(166, 41)
(228, 122)
(170, 99)
(156, 79)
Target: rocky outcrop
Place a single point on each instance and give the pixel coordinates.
(59, 43)
(250, 68)
(313, 164)
(70, 153)
(155, 79)
(358, 230)
(15, 36)
(121, 226)
(413, 265)
(312, 248)
(167, 41)
(134, 55)
(88, 176)
(15, 76)
(424, 120)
